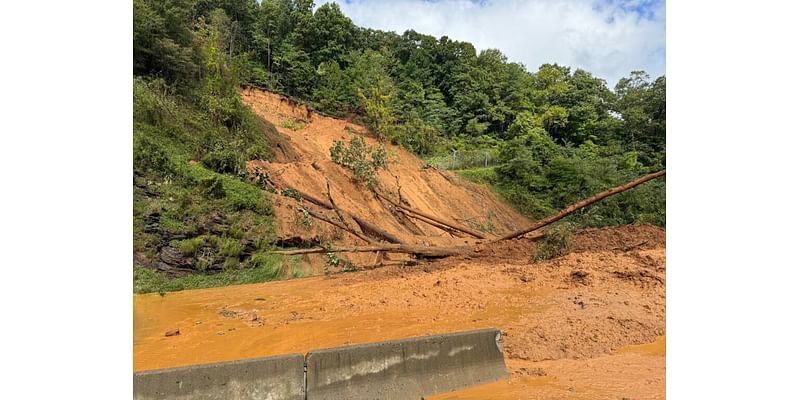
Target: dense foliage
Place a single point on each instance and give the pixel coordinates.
(542, 139)
(195, 207)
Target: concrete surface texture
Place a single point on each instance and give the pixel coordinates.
(406, 369)
(272, 378)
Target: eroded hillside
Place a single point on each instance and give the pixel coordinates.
(303, 162)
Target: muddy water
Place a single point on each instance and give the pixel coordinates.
(561, 339)
(657, 348)
(636, 371)
(249, 321)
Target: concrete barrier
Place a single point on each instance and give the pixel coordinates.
(262, 378)
(406, 369)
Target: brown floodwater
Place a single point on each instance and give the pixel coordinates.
(293, 317)
(636, 371)
(656, 348)
(601, 337)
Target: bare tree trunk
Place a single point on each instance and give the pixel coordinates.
(583, 203)
(366, 227)
(336, 208)
(420, 251)
(452, 232)
(375, 231)
(440, 252)
(336, 224)
(448, 224)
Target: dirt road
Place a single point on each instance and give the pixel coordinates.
(570, 325)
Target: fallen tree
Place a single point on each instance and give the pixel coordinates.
(451, 225)
(333, 203)
(375, 231)
(335, 223)
(371, 229)
(440, 252)
(452, 232)
(583, 203)
(366, 227)
(422, 251)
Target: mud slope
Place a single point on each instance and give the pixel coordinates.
(573, 327)
(306, 166)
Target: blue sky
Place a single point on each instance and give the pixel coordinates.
(609, 38)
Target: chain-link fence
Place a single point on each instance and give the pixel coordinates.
(463, 159)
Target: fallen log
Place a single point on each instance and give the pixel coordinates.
(336, 224)
(368, 228)
(452, 232)
(311, 199)
(333, 203)
(448, 224)
(441, 252)
(307, 197)
(374, 231)
(340, 214)
(583, 203)
(421, 251)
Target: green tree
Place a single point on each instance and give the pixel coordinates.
(162, 40)
(643, 106)
(374, 88)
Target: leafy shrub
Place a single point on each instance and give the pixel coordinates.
(293, 124)
(487, 225)
(362, 159)
(150, 105)
(238, 195)
(293, 193)
(150, 156)
(256, 152)
(226, 110)
(305, 220)
(556, 243)
(224, 161)
(230, 263)
(203, 262)
(332, 260)
(349, 266)
(266, 262)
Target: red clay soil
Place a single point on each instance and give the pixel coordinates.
(570, 325)
(306, 165)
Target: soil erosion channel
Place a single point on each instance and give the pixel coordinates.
(590, 324)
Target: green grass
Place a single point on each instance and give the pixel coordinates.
(263, 268)
(293, 124)
(483, 175)
(229, 247)
(238, 195)
(189, 247)
(192, 192)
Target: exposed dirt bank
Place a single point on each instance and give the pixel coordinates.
(303, 162)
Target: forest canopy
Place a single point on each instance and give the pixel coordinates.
(542, 139)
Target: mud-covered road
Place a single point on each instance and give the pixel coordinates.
(590, 324)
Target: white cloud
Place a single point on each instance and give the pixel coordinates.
(607, 38)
